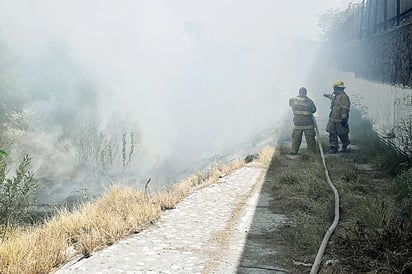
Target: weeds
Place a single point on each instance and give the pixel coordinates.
(289, 179)
(391, 153)
(365, 248)
(96, 149)
(403, 190)
(375, 232)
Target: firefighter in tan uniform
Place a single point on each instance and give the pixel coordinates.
(338, 117)
(303, 109)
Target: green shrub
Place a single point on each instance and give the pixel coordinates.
(17, 194)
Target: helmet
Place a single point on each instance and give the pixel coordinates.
(302, 91)
(338, 84)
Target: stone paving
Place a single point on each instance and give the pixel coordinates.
(187, 239)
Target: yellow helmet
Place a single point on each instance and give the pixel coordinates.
(338, 84)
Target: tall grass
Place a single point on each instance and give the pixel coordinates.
(266, 156)
(123, 211)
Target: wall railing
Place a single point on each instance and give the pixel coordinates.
(372, 17)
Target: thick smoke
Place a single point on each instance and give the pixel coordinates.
(192, 79)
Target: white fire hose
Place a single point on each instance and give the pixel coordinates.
(321, 251)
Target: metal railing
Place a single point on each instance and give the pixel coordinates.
(372, 17)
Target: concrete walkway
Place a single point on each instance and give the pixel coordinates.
(205, 233)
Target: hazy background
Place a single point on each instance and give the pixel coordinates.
(195, 78)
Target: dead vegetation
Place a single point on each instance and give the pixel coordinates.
(123, 211)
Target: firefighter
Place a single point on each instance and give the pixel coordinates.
(303, 109)
(338, 117)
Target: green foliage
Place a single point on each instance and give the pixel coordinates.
(17, 194)
(403, 189)
(2, 153)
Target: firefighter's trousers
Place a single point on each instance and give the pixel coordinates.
(297, 139)
(335, 130)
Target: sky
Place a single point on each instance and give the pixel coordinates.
(197, 76)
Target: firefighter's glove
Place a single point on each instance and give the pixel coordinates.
(344, 122)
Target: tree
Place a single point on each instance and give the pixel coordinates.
(331, 20)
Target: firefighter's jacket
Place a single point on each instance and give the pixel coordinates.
(303, 109)
(339, 107)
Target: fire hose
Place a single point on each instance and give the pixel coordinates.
(331, 229)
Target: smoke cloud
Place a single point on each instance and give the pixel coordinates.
(194, 78)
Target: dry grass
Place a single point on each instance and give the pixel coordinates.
(121, 212)
(266, 155)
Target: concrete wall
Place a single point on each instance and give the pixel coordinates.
(386, 105)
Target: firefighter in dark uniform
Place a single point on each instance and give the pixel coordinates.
(303, 109)
(338, 117)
